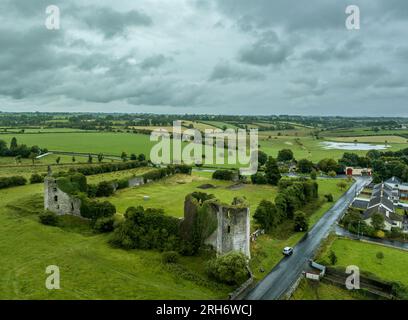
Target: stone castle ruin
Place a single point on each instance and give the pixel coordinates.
(58, 199)
(206, 221)
(61, 193)
(224, 227)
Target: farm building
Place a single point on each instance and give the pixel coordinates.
(351, 171)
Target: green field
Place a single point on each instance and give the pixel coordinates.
(220, 124)
(363, 131)
(309, 147)
(363, 255)
(169, 193)
(373, 139)
(116, 143)
(13, 130)
(95, 142)
(90, 142)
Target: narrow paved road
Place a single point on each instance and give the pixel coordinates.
(284, 275)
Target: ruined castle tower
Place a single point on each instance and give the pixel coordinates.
(233, 229)
(224, 227)
(57, 201)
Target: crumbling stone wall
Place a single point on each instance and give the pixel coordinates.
(232, 231)
(136, 181)
(59, 202)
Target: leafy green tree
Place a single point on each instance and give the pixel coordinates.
(266, 215)
(313, 174)
(230, 268)
(94, 210)
(58, 160)
(272, 172)
(332, 258)
(32, 156)
(352, 220)
(100, 157)
(258, 178)
(262, 158)
(379, 256)
(328, 165)
(379, 169)
(124, 156)
(377, 221)
(133, 157)
(305, 166)
(170, 257)
(36, 178)
(48, 218)
(73, 159)
(285, 155)
(141, 157)
(332, 174)
(90, 159)
(329, 197)
(104, 189)
(342, 185)
(301, 221)
(104, 224)
(3, 147)
(13, 144)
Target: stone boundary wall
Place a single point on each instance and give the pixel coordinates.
(241, 291)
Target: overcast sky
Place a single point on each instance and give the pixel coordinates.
(205, 56)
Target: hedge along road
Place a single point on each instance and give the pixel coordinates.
(289, 269)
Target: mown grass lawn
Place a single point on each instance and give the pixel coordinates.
(351, 252)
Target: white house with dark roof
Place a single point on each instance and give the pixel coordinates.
(399, 188)
(381, 202)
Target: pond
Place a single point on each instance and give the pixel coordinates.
(329, 145)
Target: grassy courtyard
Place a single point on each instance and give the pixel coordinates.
(169, 193)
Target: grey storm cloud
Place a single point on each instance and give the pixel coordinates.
(341, 51)
(225, 71)
(111, 22)
(266, 51)
(154, 61)
(205, 56)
